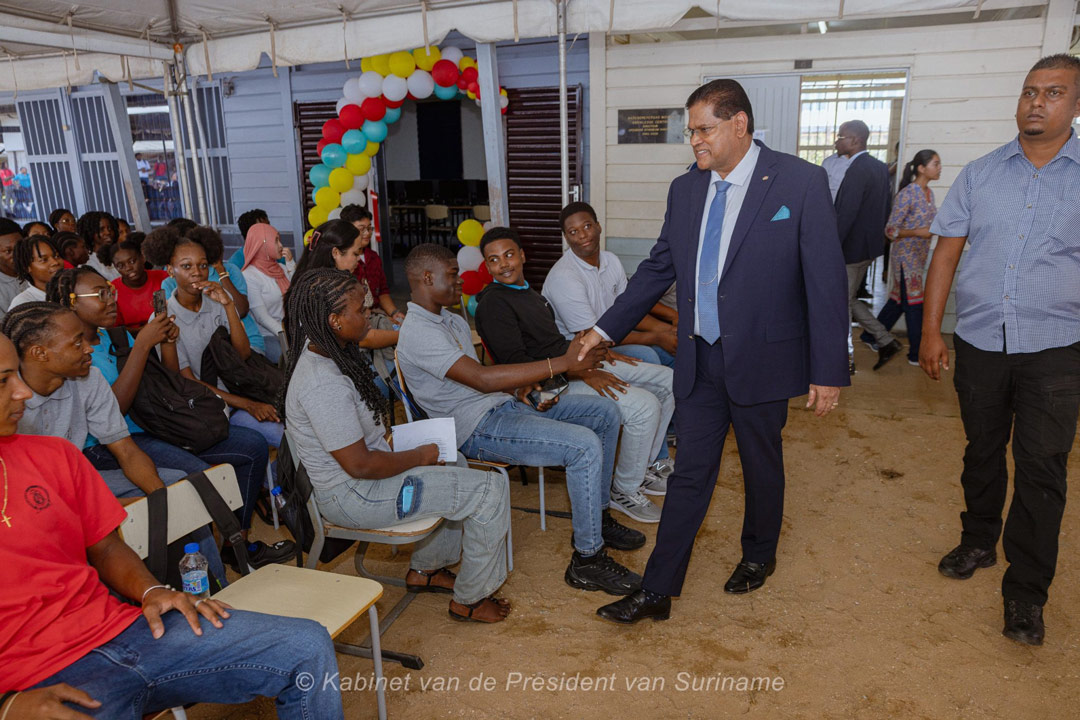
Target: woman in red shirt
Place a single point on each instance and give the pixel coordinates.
(135, 287)
(370, 267)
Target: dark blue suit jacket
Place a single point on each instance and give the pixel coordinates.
(863, 203)
(782, 296)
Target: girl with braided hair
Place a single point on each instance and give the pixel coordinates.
(336, 428)
(36, 261)
(95, 304)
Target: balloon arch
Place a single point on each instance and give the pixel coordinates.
(372, 102)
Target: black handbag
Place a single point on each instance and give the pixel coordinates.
(255, 378)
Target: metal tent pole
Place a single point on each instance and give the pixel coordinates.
(178, 142)
(204, 216)
(564, 123)
(200, 127)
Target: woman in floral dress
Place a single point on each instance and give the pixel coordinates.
(909, 228)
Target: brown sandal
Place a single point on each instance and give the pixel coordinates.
(429, 586)
(468, 616)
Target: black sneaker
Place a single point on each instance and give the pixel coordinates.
(601, 572)
(619, 536)
(259, 554)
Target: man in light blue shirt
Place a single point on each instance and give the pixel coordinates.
(1017, 338)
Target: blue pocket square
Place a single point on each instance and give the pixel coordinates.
(782, 214)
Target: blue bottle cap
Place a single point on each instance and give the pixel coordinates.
(191, 548)
(276, 490)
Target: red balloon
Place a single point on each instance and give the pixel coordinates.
(319, 148)
(351, 117)
(373, 109)
(471, 282)
(444, 73)
(332, 130)
(392, 103)
(470, 74)
(474, 87)
(462, 84)
(485, 274)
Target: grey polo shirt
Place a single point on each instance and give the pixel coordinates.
(428, 346)
(83, 411)
(196, 329)
(580, 293)
(9, 288)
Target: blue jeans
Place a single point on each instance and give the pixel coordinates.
(273, 348)
(517, 434)
(253, 654)
(272, 431)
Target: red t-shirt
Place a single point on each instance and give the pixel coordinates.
(134, 306)
(370, 268)
(54, 609)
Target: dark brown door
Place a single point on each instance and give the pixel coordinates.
(534, 183)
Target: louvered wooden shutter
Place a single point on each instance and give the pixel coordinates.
(534, 185)
(308, 119)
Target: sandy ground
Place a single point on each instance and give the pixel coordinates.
(856, 622)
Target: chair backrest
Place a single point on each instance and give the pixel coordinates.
(186, 510)
(413, 411)
(482, 212)
(437, 212)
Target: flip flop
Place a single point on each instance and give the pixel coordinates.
(468, 617)
(428, 587)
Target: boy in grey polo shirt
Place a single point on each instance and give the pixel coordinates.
(580, 432)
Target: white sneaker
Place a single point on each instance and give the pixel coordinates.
(663, 468)
(654, 483)
(635, 506)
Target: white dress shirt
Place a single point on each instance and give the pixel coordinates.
(739, 178)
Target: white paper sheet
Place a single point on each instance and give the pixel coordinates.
(440, 431)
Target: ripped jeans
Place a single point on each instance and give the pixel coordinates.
(473, 503)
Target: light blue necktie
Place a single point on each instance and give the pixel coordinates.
(708, 266)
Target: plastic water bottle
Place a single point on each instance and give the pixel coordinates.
(278, 498)
(193, 572)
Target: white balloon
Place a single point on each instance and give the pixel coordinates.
(341, 103)
(360, 182)
(469, 258)
(488, 225)
(421, 84)
(452, 53)
(334, 214)
(504, 101)
(355, 196)
(352, 91)
(394, 88)
(370, 84)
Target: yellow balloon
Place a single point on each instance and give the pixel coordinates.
(341, 179)
(427, 57)
(470, 94)
(327, 199)
(371, 149)
(317, 216)
(469, 232)
(402, 64)
(354, 165)
(365, 65)
(380, 64)
(466, 62)
(307, 237)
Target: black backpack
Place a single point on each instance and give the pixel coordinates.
(295, 486)
(255, 378)
(171, 407)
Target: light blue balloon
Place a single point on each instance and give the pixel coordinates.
(375, 130)
(315, 190)
(320, 175)
(471, 306)
(354, 143)
(446, 93)
(334, 156)
(392, 115)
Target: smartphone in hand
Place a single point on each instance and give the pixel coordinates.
(160, 307)
(549, 390)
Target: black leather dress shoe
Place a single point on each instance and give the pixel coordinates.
(636, 607)
(749, 576)
(963, 560)
(1023, 622)
(887, 353)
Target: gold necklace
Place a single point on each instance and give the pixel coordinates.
(3, 511)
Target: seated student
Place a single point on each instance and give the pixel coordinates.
(36, 227)
(667, 308)
(245, 222)
(228, 275)
(201, 307)
(335, 417)
(72, 248)
(72, 400)
(584, 283)
(135, 287)
(518, 326)
(63, 220)
(370, 267)
(267, 283)
(123, 230)
(10, 284)
(71, 586)
(94, 302)
(338, 244)
(99, 229)
(36, 261)
(579, 432)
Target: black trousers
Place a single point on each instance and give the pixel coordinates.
(1034, 397)
(702, 421)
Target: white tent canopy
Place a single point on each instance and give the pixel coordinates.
(52, 43)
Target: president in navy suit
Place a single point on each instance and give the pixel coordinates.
(750, 239)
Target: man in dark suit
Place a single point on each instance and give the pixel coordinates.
(862, 210)
(750, 237)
